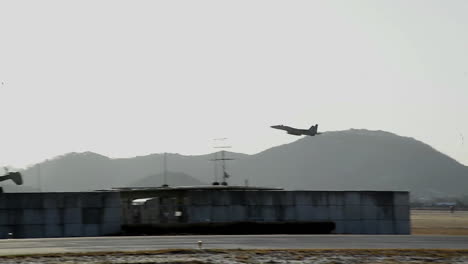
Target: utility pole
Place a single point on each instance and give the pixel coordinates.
(215, 182)
(39, 176)
(165, 170)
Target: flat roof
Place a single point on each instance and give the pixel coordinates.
(190, 188)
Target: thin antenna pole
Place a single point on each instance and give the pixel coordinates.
(39, 176)
(223, 160)
(165, 169)
(215, 160)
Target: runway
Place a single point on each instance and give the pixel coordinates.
(94, 244)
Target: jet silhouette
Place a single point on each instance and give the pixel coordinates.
(312, 131)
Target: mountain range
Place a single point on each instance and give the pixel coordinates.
(354, 159)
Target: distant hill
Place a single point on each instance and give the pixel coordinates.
(90, 171)
(342, 160)
(358, 160)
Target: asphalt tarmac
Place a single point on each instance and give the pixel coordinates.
(121, 243)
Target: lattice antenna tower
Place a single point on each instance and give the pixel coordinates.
(223, 160)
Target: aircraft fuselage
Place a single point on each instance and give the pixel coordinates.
(298, 132)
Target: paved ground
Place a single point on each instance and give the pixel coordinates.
(57, 245)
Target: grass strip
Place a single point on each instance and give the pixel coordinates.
(440, 253)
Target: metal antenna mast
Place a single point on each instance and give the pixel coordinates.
(39, 176)
(223, 164)
(215, 182)
(165, 170)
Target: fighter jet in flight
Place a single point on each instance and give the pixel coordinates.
(312, 131)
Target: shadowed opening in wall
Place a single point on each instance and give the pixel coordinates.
(233, 228)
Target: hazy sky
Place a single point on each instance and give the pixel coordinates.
(128, 78)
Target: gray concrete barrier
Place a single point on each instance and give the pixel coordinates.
(352, 212)
(36, 215)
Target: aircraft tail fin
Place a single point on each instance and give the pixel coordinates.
(14, 176)
(314, 129)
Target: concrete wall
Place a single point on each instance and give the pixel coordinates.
(35, 215)
(353, 212)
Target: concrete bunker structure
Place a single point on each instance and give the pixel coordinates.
(250, 210)
(203, 210)
(38, 215)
